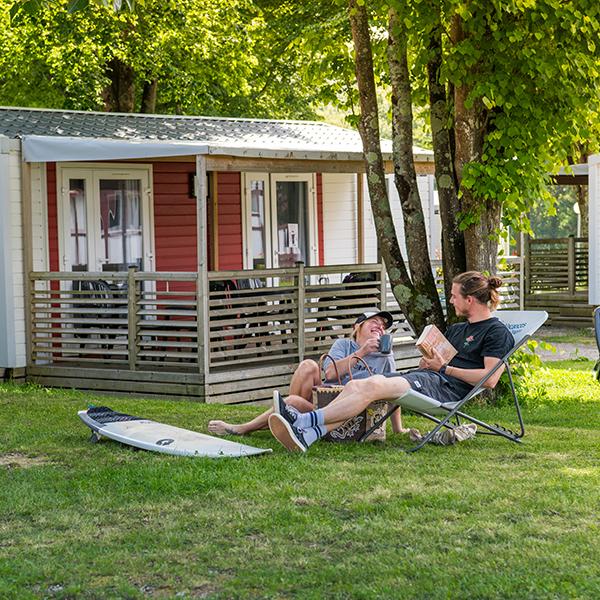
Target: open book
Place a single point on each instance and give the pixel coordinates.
(431, 338)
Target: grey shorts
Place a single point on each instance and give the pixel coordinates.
(433, 384)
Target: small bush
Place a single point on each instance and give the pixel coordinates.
(524, 364)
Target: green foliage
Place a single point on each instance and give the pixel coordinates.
(534, 68)
(557, 219)
(525, 365)
(220, 57)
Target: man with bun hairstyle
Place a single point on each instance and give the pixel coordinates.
(481, 341)
(363, 344)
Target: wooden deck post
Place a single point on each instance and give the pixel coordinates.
(571, 264)
(27, 223)
(301, 311)
(132, 328)
(202, 289)
(526, 264)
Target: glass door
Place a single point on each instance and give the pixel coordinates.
(293, 210)
(119, 237)
(256, 220)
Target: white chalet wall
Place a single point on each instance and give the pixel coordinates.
(39, 218)
(339, 218)
(594, 228)
(12, 294)
(430, 213)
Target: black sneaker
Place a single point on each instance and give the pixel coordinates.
(286, 434)
(281, 408)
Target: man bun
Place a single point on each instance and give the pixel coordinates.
(481, 287)
(494, 282)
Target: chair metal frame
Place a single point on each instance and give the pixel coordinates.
(453, 409)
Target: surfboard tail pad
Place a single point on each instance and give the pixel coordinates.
(160, 437)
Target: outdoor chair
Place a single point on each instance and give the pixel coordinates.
(522, 324)
(597, 331)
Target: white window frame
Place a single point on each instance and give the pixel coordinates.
(92, 173)
(271, 180)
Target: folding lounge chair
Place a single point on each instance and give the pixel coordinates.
(597, 330)
(522, 324)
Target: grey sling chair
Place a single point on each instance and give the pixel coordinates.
(597, 331)
(522, 324)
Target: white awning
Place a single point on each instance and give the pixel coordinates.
(42, 148)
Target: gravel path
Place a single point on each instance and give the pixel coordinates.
(584, 346)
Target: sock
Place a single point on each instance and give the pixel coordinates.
(312, 434)
(310, 419)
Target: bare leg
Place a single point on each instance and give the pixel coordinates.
(260, 422)
(304, 378)
(358, 394)
(396, 420)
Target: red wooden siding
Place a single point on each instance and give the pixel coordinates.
(174, 217)
(52, 217)
(229, 191)
(320, 218)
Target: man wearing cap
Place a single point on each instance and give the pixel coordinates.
(364, 344)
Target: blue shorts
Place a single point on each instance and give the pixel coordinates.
(434, 385)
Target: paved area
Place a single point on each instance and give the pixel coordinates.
(577, 343)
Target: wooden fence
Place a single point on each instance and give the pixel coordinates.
(556, 265)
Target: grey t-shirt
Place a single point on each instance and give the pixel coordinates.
(378, 363)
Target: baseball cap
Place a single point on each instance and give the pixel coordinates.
(369, 314)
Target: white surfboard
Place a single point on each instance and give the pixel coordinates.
(159, 437)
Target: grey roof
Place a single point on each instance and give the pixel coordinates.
(219, 134)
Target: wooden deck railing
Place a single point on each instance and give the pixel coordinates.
(153, 321)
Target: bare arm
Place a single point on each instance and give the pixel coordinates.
(473, 376)
(470, 376)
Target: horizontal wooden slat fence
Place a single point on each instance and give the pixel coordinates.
(556, 265)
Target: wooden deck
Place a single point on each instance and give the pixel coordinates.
(159, 334)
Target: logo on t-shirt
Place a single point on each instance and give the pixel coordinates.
(469, 340)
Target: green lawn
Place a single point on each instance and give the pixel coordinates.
(483, 519)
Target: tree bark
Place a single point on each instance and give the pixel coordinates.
(453, 240)
(405, 176)
(481, 237)
(119, 95)
(149, 92)
(402, 286)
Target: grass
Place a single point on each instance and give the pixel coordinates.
(483, 519)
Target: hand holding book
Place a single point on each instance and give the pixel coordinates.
(431, 338)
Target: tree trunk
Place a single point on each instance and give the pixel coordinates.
(402, 286)
(149, 92)
(453, 241)
(405, 176)
(481, 236)
(119, 95)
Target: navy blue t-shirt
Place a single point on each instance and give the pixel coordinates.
(474, 341)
